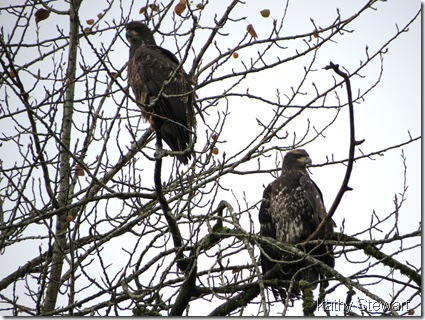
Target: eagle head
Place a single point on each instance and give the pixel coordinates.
(137, 33)
(297, 158)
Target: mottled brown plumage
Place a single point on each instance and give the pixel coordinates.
(152, 75)
(291, 209)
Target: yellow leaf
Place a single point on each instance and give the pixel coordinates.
(265, 13)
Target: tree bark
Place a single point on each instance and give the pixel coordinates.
(59, 245)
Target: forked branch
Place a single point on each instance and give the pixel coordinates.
(353, 144)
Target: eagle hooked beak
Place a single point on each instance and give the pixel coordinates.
(308, 161)
(305, 160)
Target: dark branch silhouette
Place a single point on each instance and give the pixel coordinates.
(95, 219)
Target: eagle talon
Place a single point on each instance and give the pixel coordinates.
(152, 123)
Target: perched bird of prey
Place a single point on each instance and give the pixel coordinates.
(291, 209)
(155, 77)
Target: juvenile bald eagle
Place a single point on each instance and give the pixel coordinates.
(291, 209)
(152, 75)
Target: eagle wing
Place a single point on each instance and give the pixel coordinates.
(150, 67)
(151, 72)
(313, 196)
(267, 225)
(267, 229)
(315, 199)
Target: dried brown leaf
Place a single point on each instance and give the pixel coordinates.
(154, 7)
(251, 31)
(88, 30)
(79, 170)
(180, 7)
(41, 14)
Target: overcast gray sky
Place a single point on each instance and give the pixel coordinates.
(383, 119)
